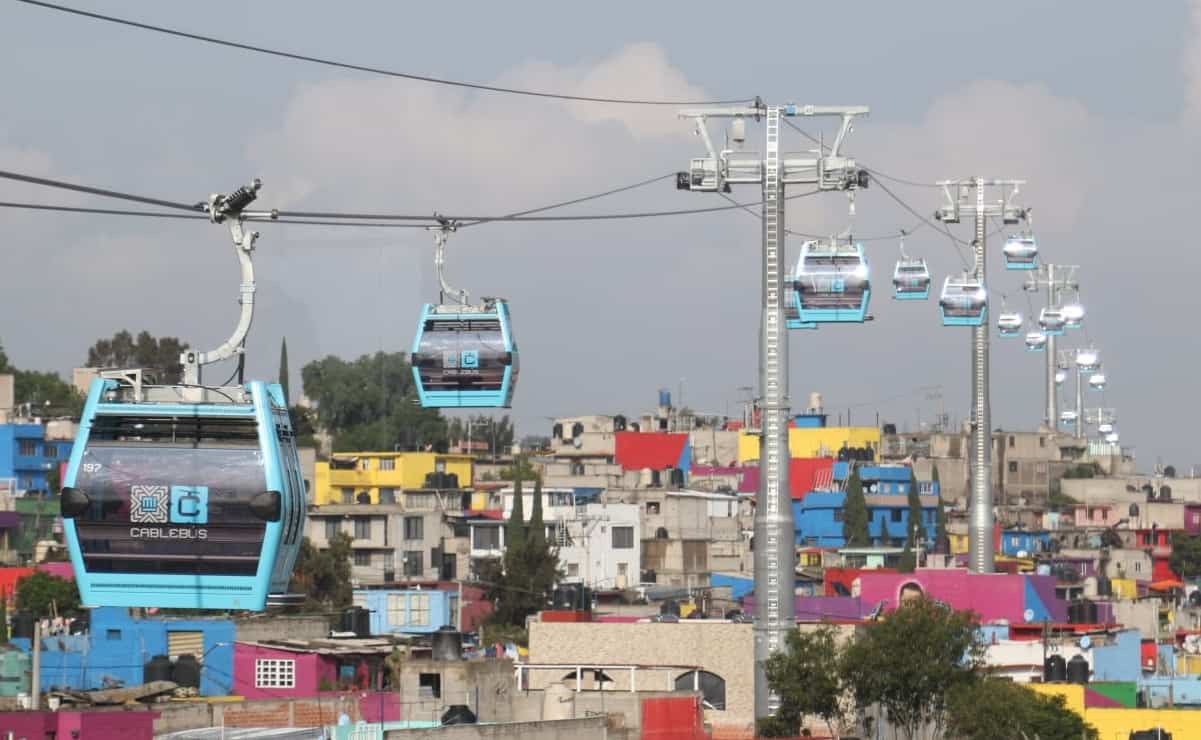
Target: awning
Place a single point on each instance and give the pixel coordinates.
(1166, 585)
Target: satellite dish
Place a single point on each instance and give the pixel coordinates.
(1086, 642)
(577, 442)
(1028, 615)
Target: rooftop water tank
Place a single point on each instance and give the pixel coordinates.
(15, 672)
(558, 702)
(157, 668)
(447, 644)
(1077, 669)
(1055, 669)
(186, 671)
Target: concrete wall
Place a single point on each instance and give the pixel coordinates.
(258, 629)
(588, 728)
(723, 648)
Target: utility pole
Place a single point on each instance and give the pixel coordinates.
(775, 550)
(980, 524)
(1054, 278)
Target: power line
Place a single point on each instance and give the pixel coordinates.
(190, 217)
(826, 147)
(805, 235)
(574, 201)
(364, 68)
(955, 242)
(62, 185)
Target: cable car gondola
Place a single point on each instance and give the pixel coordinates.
(964, 302)
(1112, 437)
(1051, 321)
(1087, 359)
(910, 278)
(1060, 376)
(1097, 381)
(1021, 253)
(792, 315)
(832, 284)
(1073, 315)
(1009, 324)
(464, 355)
(1067, 417)
(1105, 427)
(1036, 341)
(186, 496)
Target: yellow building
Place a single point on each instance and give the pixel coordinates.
(960, 543)
(1120, 722)
(814, 441)
(350, 475)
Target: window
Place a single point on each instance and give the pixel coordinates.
(396, 609)
(623, 538)
(414, 528)
(1138, 567)
(419, 609)
(387, 463)
(1013, 466)
(50, 451)
(429, 686)
(485, 538)
(439, 466)
(573, 570)
(711, 686)
(362, 528)
(28, 448)
(387, 495)
(896, 515)
(362, 558)
(332, 527)
(838, 515)
(414, 563)
(274, 674)
(1042, 441)
(652, 507)
(1011, 440)
(112, 634)
(348, 495)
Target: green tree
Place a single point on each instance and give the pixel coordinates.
(496, 434)
(998, 709)
(46, 393)
(283, 371)
(4, 366)
(124, 351)
(304, 426)
(910, 661)
(807, 679)
(915, 531)
(537, 529)
(520, 583)
(942, 542)
(515, 527)
(44, 595)
(1186, 555)
(521, 467)
(371, 404)
(855, 515)
(323, 576)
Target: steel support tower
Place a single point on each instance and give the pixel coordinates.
(980, 523)
(775, 550)
(1054, 278)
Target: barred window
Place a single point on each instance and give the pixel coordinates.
(274, 674)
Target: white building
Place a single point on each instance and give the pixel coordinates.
(599, 544)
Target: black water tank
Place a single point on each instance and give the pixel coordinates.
(670, 607)
(636, 427)
(1104, 586)
(447, 644)
(458, 714)
(619, 423)
(1089, 611)
(890, 428)
(23, 625)
(452, 480)
(356, 619)
(1153, 734)
(81, 623)
(186, 671)
(1077, 669)
(1055, 669)
(656, 479)
(157, 668)
(576, 429)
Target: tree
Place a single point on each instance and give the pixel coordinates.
(1186, 555)
(304, 426)
(521, 581)
(283, 371)
(46, 393)
(915, 531)
(4, 366)
(998, 709)
(942, 542)
(807, 679)
(537, 529)
(909, 662)
(123, 351)
(371, 404)
(497, 434)
(44, 595)
(855, 515)
(323, 576)
(515, 527)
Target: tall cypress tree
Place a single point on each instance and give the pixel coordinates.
(537, 534)
(914, 528)
(855, 516)
(942, 542)
(283, 371)
(515, 529)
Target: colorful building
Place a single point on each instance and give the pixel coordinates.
(379, 477)
(409, 611)
(806, 441)
(818, 517)
(27, 459)
(1015, 598)
(652, 450)
(1113, 718)
(293, 669)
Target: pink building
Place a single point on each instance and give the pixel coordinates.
(1096, 515)
(990, 595)
(135, 725)
(1192, 518)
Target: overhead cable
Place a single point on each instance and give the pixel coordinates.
(364, 68)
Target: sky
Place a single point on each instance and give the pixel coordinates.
(1096, 105)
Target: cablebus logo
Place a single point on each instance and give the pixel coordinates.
(168, 504)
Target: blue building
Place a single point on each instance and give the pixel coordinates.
(409, 611)
(819, 516)
(27, 457)
(117, 647)
(1021, 543)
